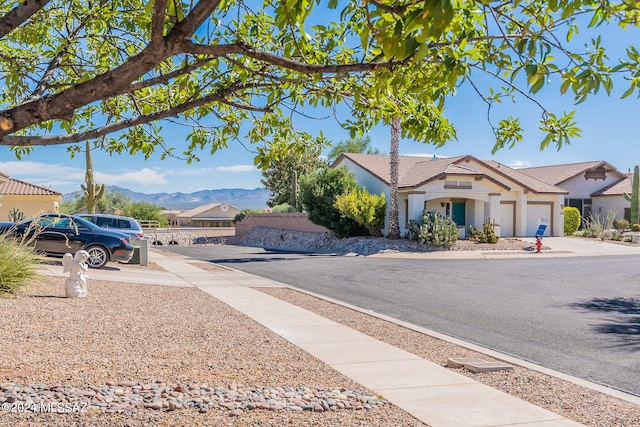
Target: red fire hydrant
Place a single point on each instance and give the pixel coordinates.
(538, 244)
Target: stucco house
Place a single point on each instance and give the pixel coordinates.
(594, 187)
(467, 189)
(29, 198)
(212, 215)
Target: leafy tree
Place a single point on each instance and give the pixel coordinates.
(76, 70)
(365, 208)
(146, 212)
(359, 144)
(319, 193)
(278, 176)
(111, 199)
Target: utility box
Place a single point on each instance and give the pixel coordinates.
(140, 252)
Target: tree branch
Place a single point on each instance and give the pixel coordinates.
(19, 15)
(25, 141)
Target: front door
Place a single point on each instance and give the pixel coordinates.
(458, 213)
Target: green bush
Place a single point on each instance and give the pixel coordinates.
(367, 209)
(571, 220)
(319, 192)
(621, 224)
(18, 264)
(433, 229)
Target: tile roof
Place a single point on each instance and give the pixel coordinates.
(16, 187)
(557, 174)
(617, 188)
(201, 209)
(416, 171)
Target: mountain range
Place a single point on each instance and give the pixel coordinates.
(241, 198)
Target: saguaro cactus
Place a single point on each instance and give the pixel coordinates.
(92, 191)
(633, 197)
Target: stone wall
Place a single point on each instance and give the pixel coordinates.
(284, 221)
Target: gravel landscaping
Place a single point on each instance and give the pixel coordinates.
(139, 355)
(562, 397)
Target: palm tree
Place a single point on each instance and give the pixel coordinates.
(394, 221)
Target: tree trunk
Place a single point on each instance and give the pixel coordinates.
(394, 221)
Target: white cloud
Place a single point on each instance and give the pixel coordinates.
(142, 177)
(519, 164)
(237, 168)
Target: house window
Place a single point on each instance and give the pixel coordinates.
(583, 205)
(457, 184)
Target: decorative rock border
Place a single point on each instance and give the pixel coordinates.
(129, 396)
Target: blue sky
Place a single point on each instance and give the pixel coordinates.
(610, 132)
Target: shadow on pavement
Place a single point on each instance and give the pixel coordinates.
(625, 326)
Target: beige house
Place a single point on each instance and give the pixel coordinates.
(466, 189)
(594, 187)
(30, 199)
(211, 215)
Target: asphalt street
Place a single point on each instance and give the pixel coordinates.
(580, 316)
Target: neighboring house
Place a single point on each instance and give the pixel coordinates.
(211, 215)
(29, 198)
(468, 190)
(594, 187)
(172, 216)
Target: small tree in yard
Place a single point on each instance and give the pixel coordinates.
(365, 208)
(319, 193)
(146, 211)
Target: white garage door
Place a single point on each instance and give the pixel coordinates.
(538, 214)
(506, 219)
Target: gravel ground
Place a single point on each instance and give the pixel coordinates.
(562, 397)
(123, 340)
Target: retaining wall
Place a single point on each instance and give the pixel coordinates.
(285, 221)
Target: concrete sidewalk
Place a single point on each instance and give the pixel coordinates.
(428, 391)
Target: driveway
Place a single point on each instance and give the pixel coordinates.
(578, 315)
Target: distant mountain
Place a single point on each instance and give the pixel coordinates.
(243, 199)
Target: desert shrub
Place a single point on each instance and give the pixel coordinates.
(433, 229)
(319, 192)
(635, 227)
(367, 209)
(616, 236)
(18, 263)
(621, 224)
(239, 217)
(282, 208)
(571, 220)
(601, 227)
(486, 235)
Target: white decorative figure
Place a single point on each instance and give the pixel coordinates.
(76, 284)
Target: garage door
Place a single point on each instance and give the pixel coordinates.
(538, 214)
(507, 214)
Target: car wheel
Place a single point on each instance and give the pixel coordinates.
(98, 256)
